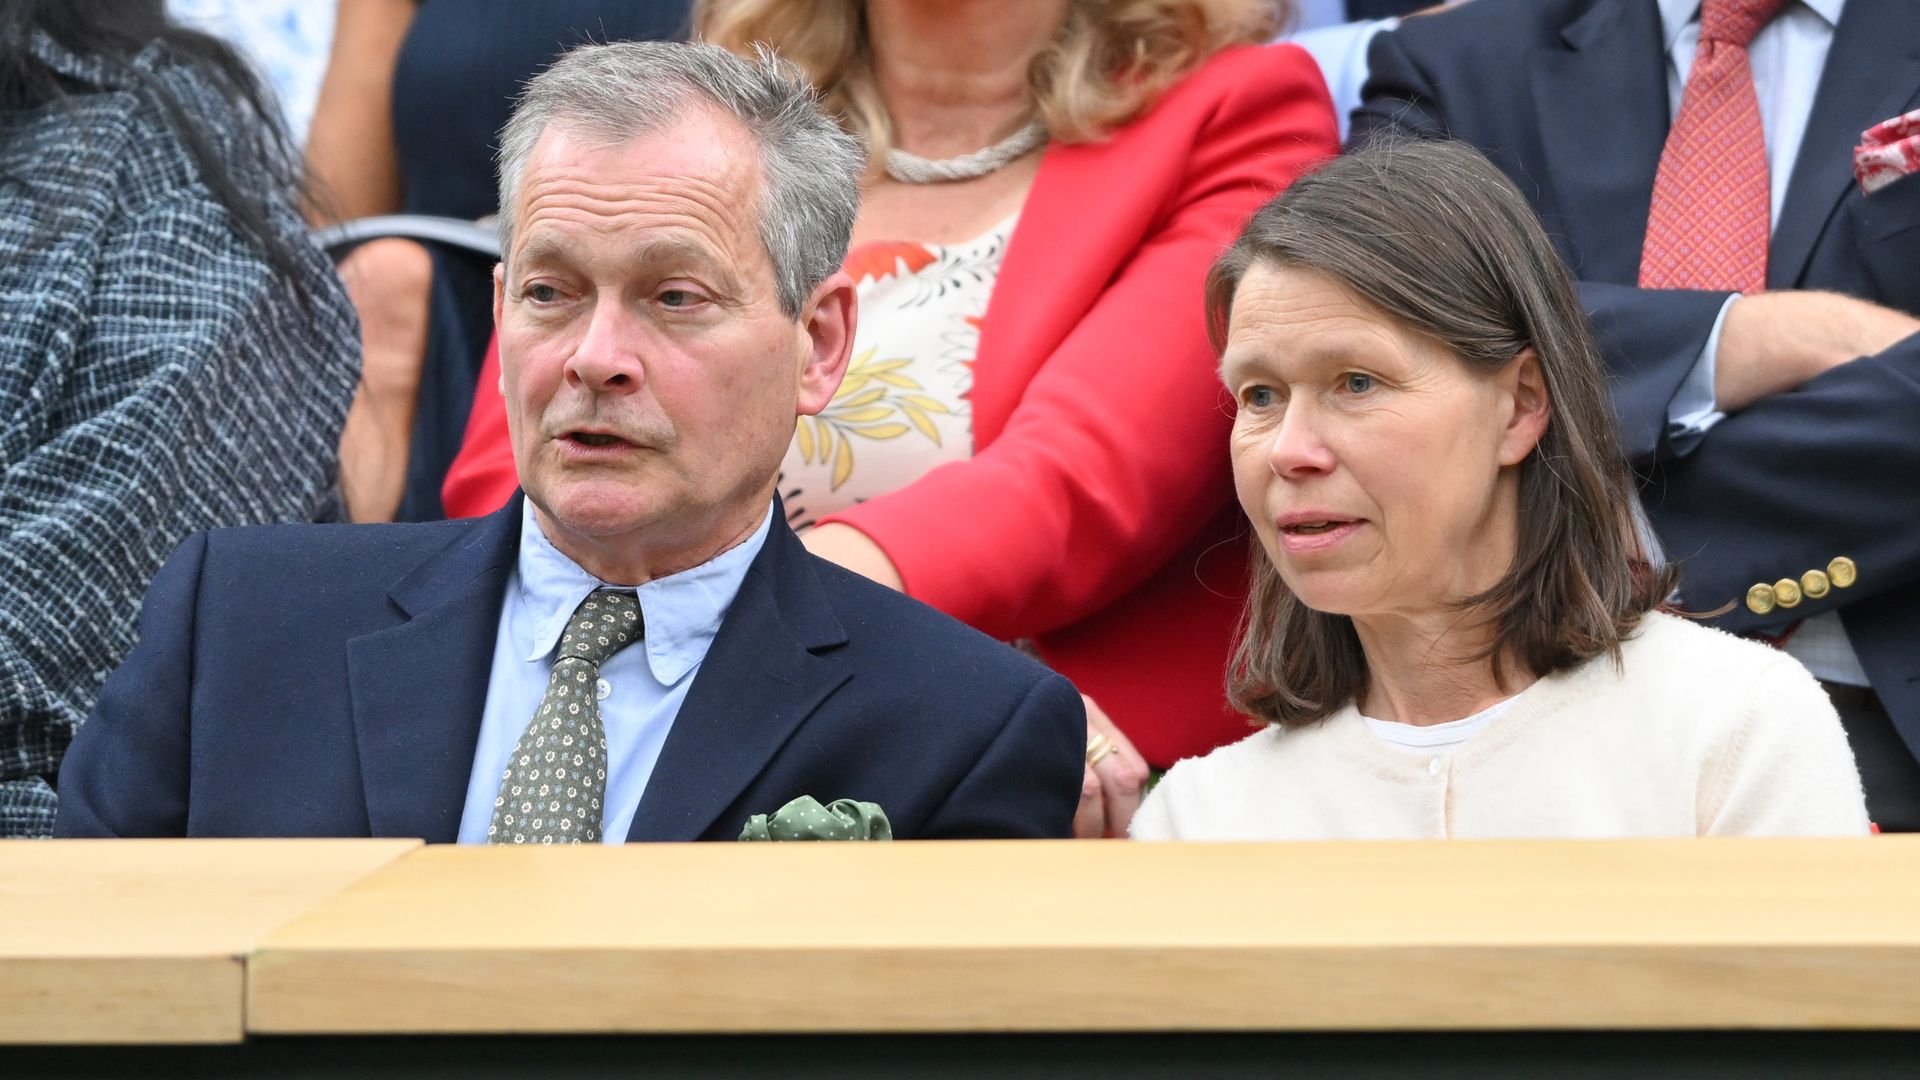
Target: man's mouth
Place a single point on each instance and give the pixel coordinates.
(593, 438)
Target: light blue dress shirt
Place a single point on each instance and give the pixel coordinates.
(1787, 57)
(641, 687)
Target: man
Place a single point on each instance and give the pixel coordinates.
(673, 220)
(1797, 509)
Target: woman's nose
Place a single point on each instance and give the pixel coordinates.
(1297, 449)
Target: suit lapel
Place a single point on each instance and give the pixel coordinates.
(419, 687)
(1872, 74)
(761, 678)
(1607, 144)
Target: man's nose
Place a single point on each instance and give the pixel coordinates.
(607, 360)
(1298, 449)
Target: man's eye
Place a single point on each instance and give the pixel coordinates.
(1358, 383)
(1261, 397)
(542, 293)
(675, 298)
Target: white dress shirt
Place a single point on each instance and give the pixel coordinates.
(641, 687)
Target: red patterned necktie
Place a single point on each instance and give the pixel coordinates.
(1710, 219)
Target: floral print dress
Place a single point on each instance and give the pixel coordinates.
(902, 409)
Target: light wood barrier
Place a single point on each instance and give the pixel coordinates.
(145, 941)
(1003, 937)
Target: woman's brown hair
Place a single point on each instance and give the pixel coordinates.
(1436, 238)
(1110, 61)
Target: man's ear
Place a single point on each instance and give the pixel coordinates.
(1527, 384)
(828, 321)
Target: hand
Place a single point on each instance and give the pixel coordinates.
(1110, 790)
(1773, 342)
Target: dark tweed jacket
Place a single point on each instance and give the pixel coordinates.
(155, 380)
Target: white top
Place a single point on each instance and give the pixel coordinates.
(902, 409)
(1451, 733)
(1697, 733)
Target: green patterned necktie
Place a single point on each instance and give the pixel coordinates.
(556, 780)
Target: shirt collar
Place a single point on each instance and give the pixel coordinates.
(682, 612)
(1676, 14)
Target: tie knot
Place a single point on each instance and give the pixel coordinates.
(605, 622)
(1735, 22)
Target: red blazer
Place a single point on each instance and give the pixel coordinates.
(1096, 515)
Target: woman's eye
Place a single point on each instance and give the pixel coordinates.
(1358, 383)
(675, 298)
(542, 294)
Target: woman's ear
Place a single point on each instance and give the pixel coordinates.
(1531, 409)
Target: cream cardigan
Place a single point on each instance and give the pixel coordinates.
(1696, 733)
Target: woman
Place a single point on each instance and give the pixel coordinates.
(175, 355)
(1453, 630)
(1025, 439)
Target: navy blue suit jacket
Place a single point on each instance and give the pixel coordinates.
(328, 680)
(1569, 99)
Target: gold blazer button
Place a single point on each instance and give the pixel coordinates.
(1760, 599)
(1843, 572)
(1814, 584)
(1786, 592)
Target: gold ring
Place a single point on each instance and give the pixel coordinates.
(1097, 747)
(1094, 758)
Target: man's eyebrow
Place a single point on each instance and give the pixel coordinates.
(662, 249)
(668, 249)
(673, 253)
(542, 250)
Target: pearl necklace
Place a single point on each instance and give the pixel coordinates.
(914, 169)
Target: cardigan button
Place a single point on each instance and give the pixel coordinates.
(1433, 767)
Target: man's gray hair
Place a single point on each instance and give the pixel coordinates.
(810, 168)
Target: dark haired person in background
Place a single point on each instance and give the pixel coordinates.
(174, 354)
(1453, 632)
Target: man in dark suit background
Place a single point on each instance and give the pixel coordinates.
(640, 649)
(1798, 507)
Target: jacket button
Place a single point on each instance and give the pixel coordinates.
(1814, 584)
(1786, 592)
(1843, 572)
(1760, 599)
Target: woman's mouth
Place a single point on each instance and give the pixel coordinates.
(1303, 536)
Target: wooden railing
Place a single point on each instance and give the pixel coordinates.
(179, 941)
